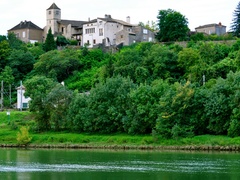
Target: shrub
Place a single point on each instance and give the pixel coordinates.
(23, 137)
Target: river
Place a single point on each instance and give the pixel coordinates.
(66, 164)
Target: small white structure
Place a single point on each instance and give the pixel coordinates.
(22, 101)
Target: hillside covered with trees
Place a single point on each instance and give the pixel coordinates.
(162, 89)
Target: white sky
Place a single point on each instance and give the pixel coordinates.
(198, 12)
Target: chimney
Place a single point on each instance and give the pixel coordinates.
(220, 24)
(88, 19)
(128, 19)
(108, 16)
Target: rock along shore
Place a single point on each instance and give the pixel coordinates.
(125, 147)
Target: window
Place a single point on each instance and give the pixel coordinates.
(144, 37)
(23, 34)
(145, 31)
(49, 12)
(94, 41)
(25, 105)
(100, 22)
(62, 29)
(88, 42)
(101, 32)
(90, 31)
(57, 12)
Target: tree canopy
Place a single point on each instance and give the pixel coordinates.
(173, 26)
(50, 44)
(235, 26)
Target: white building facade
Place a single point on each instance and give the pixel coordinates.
(22, 101)
(105, 30)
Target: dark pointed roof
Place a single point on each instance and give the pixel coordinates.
(26, 25)
(53, 6)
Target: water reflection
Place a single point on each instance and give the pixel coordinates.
(32, 164)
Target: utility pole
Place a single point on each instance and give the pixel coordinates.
(21, 95)
(2, 95)
(10, 94)
(204, 79)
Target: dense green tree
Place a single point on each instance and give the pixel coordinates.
(197, 37)
(5, 51)
(235, 26)
(161, 62)
(8, 79)
(104, 109)
(16, 43)
(37, 88)
(2, 38)
(57, 102)
(21, 63)
(175, 110)
(61, 41)
(57, 64)
(173, 26)
(50, 43)
(188, 60)
(36, 51)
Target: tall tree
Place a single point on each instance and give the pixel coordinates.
(235, 26)
(173, 26)
(50, 44)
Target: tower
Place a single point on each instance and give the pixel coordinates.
(53, 14)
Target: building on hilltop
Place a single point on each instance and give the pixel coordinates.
(71, 29)
(27, 32)
(105, 31)
(217, 29)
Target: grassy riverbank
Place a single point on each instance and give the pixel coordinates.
(9, 126)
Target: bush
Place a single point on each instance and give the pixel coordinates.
(23, 137)
(234, 129)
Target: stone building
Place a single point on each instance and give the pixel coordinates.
(27, 32)
(217, 29)
(71, 29)
(105, 31)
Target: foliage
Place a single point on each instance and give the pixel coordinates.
(50, 43)
(57, 101)
(235, 26)
(15, 43)
(5, 51)
(3, 38)
(23, 137)
(104, 109)
(173, 26)
(152, 26)
(87, 75)
(37, 88)
(21, 63)
(36, 51)
(7, 75)
(175, 111)
(58, 65)
(62, 41)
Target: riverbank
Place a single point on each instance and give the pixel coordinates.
(235, 148)
(9, 127)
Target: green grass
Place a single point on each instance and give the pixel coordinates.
(10, 127)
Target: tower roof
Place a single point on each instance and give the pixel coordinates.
(53, 6)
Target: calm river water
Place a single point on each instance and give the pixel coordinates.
(20, 164)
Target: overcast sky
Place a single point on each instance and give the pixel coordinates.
(198, 12)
